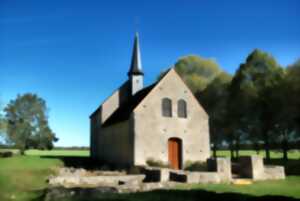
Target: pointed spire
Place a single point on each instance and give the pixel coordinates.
(136, 63)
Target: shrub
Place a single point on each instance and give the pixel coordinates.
(6, 154)
(134, 170)
(156, 163)
(195, 166)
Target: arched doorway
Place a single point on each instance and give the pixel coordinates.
(175, 153)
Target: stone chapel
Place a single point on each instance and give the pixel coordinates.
(162, 122)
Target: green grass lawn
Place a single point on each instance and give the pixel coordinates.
(292, 154)
(23, 178)
(288, 187)
(59, 152)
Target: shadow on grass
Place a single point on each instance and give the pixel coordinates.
(165, 195)
(78, 161)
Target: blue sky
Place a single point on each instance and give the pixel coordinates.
(75, 53)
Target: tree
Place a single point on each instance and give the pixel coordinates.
(286, 127)
(2, 125)
(214, 99)
(251, 95)
(27, 123)
(197, 72)
(293, 85)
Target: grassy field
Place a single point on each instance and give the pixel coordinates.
(288, 187)
(293, 154)
(24, 178)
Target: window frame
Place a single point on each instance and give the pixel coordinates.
(182, 109)
(166, 107)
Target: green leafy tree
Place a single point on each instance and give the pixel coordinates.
(27, 124)
(286, 128)
(251, 96)
(214, 99)
(197, 72)
(2, 125)
(293, 85)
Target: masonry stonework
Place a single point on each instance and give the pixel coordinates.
(128, 128)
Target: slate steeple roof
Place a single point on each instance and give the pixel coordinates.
(136, 63)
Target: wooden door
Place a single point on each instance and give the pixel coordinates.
(174, 147)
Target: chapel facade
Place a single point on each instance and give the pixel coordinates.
(161, 122)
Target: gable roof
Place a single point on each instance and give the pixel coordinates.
(124, 111)
(124, 86)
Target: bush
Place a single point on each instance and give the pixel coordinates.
(134, 170)
(195, 166)
(6, 154)
(156, 163)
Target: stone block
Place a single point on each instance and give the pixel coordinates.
(251, 167)
(257, 168)
(274, 172)
(79, 181)
(222, 166)
(178, 176)
(210, 177)
(156, 174)
(195, 177)
(192, 178)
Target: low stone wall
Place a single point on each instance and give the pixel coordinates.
(195, 177)
(61, 193)
(154, 174)
(83, 172)
(274, 172)
(219, 171)
(166, 175)
(222, 166)
(251, 167)
(94, 181)
(254, 168)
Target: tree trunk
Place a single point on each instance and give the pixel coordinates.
(237, 148)
(266, 119)
(266, 140)
(285, 147)
(231, 151)
(256, 148)
(214, 151)
(267, 147)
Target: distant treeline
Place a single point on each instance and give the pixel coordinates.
(72, 148)
(5, 146)
(258, 147)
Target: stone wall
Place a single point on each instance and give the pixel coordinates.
(107, 108)
(222, 166)
(115, 144)
(274, 172)
(253, 167)
(94, 181)
(152, 130)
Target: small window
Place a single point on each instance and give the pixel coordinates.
(182, 111)
(167, 107)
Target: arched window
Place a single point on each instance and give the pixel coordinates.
(182, 111)
(167, 107)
